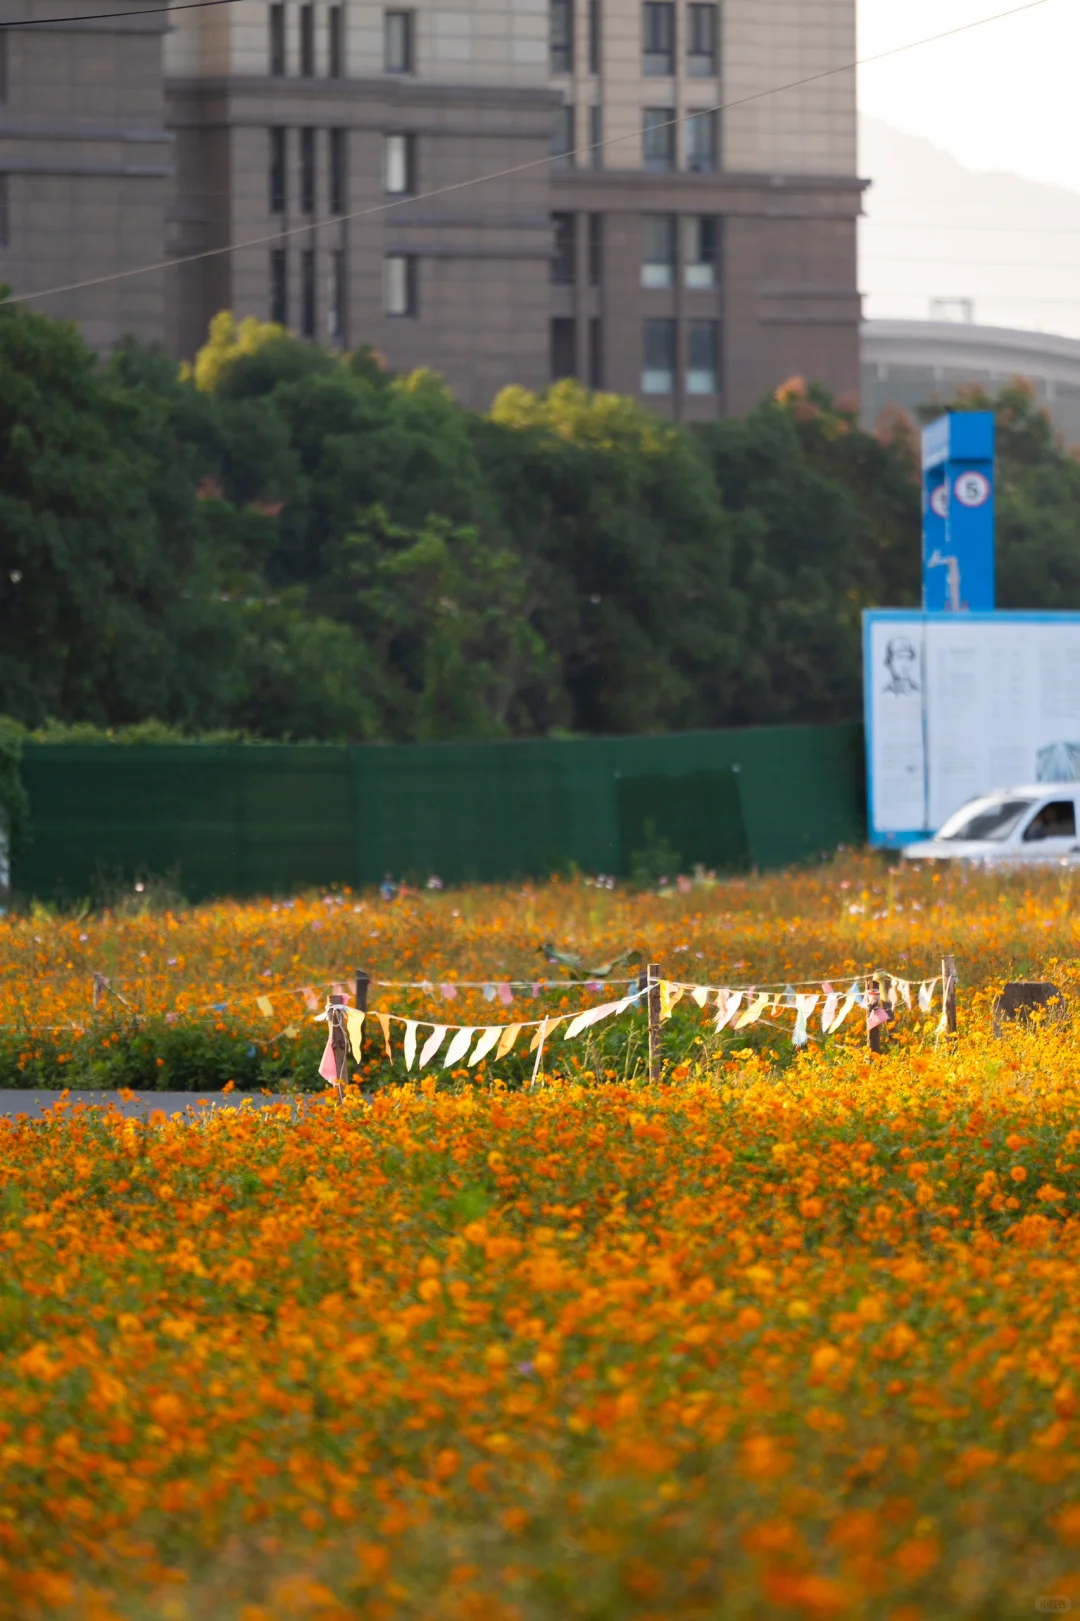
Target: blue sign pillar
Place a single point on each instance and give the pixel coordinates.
(958, 513)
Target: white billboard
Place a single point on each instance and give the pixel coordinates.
(960, 704)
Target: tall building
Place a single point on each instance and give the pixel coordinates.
(85, 162)
(659, 216)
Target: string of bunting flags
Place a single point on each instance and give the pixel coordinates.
(735, 1008)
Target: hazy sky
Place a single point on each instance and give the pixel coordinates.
(1003, 96)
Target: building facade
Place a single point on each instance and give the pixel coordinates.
(85, 164)
(908, 364)
(507, 191)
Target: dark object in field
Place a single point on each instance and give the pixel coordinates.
(1023, 998)
(576, 968)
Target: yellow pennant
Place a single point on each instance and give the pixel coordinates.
(354, 1024)
(384, 1026)
(264, 1005)
(507, 1039)
(753, 1013)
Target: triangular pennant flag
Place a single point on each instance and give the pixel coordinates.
(310, 999)
(290, 1032)
(384, 1026)
(700, 994)
(489, 993)
(487, 1040)
(546, 1027)
(669, 995)
(876, 1016)
(432, 1044)
(904, 987)
(585, 1020)
(354, 1024)
(828, 1011)
(845, 1008)
(328, 1063)
(926, 994)
(507, 1039)
(410, 1043)
(449, 992)
(804, 1006)
(458, 1047)
(728, 1004)
(753, 1013)
(505, 994)
(264, 1005)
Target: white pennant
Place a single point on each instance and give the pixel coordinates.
(591, 1016)
(728, 1004)
(926, 994)
(700, 994)
(487, 1040)
(432, 1044)
(458, 1047)
(410, 1043)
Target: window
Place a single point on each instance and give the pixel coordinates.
(337, 172)
(596, 137)
(594, 36)
(701, 357)
(596, 353)
(979, 818)
(279, 287)
(5, 211)
(335, 43)
(399, 165)
(657, 38)
(563, 348)
(1055, 821)
(701, 143)
(701, 41)
(658, 373)
(307, 42)
(335, 304)
(277, 171)
(399, 284)
(307, 171)
(658, 256)
(596, 249)
(561, 36)
(563, 269)
(700, 252)
(398, 41)
(562, 138)
(277, 41)
(307, 293)
(659, 139)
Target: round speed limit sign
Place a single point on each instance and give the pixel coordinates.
(939, 501)
(972, 489)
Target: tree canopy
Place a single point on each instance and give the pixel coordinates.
(298, 544)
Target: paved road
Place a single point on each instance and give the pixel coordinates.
(34, 1104)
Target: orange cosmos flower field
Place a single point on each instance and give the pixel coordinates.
(792, 1333)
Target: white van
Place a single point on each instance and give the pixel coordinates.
(1013, 825)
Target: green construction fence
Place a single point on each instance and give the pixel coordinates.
(245, 819)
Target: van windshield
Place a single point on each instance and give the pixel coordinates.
(985, 819)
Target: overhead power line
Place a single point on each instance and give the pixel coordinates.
(518, 168)
(104, 16)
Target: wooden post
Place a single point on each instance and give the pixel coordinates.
(948, 993)
(873, 1000)
(653, 998)
(339, 1042)
(362, 982)
(100, 987)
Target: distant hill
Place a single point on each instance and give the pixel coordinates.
(937, 230)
